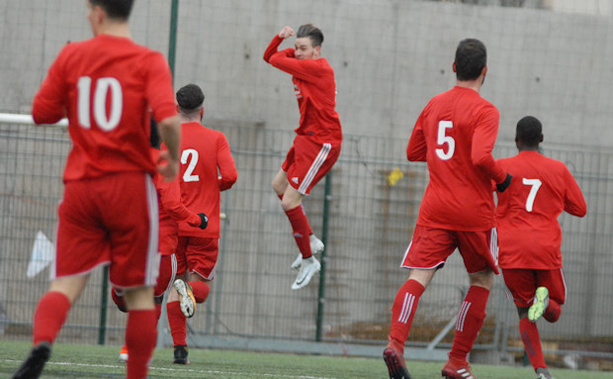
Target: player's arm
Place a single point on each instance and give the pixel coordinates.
(574, 202)
(417, 149)
(170, 196)
(225, 164)
(484, 139)
(160, 94)
(48, 106)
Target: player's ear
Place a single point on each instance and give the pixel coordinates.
(318, 50)
(484, 71)
(542, 138)
(453, 67)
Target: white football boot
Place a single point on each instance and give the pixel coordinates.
(316, 247)
(308, 269)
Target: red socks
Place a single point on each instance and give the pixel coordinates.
(403, 311)
(553, 311)
(50, 316)
(532, 342)
(469, 322)
(200, 290)
(177, 323)
(301, 230)
(141, 335)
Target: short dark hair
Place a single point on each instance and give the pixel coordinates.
(529, 131)
(115, 9)
(470, 59)
(190, 97)
(308, 30)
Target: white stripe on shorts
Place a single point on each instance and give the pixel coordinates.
(310, 175)
(152, 269)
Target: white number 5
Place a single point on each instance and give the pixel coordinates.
(536, 184)
(442, 139)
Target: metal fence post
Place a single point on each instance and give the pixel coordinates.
(322, 275)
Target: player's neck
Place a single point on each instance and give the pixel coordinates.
(117, 29)
(470, 84)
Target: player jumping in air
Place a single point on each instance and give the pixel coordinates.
(530, 235)
(455, 134)
(318, 137)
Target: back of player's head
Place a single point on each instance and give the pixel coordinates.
(529, 131)
(470, 59)
(154, 137)
(308, 30)
(190, 98)
(115, 9)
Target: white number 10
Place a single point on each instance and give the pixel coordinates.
(536, 184)
(103, 86)
(442, 139)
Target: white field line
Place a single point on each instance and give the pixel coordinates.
(152, 370)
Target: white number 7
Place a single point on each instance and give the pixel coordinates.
(536, 184)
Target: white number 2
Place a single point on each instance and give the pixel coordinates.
(536, 184)
(103, 86)
(190, 155)
(443, 138)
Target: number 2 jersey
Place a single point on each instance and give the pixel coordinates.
(455, 135)
(528, 229)
(106, 86)
(207, 168)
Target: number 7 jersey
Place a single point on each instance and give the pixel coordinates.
(527, 213)
(106, 86)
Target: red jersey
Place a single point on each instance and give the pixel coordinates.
(207, 168)
(455, 135)
(315, 90)
(528, 229)
(106, 86)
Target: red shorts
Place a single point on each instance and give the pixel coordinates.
(197, 255)
(169, 237)
(522, 283)
(168, 272)
(95, 229)
(307, 162)
(430, 248)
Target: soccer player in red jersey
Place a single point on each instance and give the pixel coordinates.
(106, 86)
(530, 235)
(171, 211)
(207, 168)
(318, 137)
(455, 134)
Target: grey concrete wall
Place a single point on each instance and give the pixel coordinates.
(390, 57)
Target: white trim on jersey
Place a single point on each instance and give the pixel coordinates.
(315, 166)
(459, 325)
(152, 268)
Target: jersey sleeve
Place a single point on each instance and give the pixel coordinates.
(48, 106)
(225, 163)
(272, 47)
(417, 149)
(170, 196)
(159, 91)
(484, 139)
(574, 202)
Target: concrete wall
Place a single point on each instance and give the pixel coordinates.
(390, 57)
